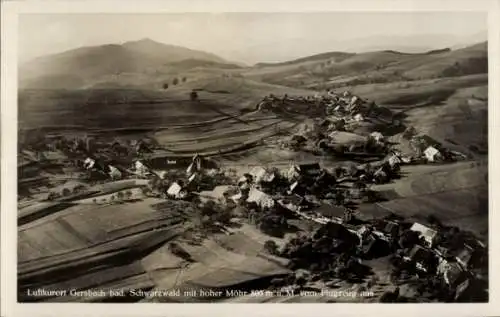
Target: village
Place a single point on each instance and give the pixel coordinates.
(448, 264)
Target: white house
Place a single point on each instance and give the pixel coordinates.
(89, 163)
(262, 199)
(195, 165)
(259, 175)
(432, 154)
(114, 173)
(377, 136)
(176, 191)
(425, 232)
(394, 160)
(141, 169)
(359, 117)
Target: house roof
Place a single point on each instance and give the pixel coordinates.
(260, 174)
(174, 189)
(431, 151)
(331, 211)
(377, 135)
(113, 171)
(453, 273)
(427, 233)
(422, 255)
(258, 197)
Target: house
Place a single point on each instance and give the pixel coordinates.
(428, 234)
(292, 174)
(425, 260)
(432, 154)
(141, 169)
(88, 163)
(176, 191)
(391, 228)
(338, 232)
(471, 255)
(377, 136)
(452, 273)
(260, 175)
(262, 199)
(359, 117)
(337, 213)
(114, 173)
(380, 176)
(374, 245)
(295, 203)
(195, 165)
(308, 170)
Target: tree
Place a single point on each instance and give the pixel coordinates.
(120, 195)
(66, 192)
(271, 247)
(193, 95)
(165, 86)
(94, 201)
(128, 194)
(145, 191)
(112, 198)
(175, 81)
(184, 79)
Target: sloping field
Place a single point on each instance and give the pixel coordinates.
(82, 226)
(456, 194)
(67, 111)
(214, 267)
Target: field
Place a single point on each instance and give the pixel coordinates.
(95, 239)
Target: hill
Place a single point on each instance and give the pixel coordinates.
(87, 65)
(334, 70)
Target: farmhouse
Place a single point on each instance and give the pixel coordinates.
(359, 117)
(295, 203)
(195, 165)
(262, 199)
(141, 169)
(452, 273)
(428, 234)
(176, 191)
(88, 163)
(114, 173)
(432, 154)
(377, 136)
(308, 170)
(260, 175)
(425, 260)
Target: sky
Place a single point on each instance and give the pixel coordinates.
(253, 37)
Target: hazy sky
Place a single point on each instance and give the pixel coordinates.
(251, 37)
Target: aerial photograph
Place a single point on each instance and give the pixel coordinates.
(268, 157)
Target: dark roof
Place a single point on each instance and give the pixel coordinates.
(391, 227)
(306, 167)
(331, 211)
(421, 254)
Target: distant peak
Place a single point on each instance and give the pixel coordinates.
(145, 40)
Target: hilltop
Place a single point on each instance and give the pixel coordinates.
(86, 66)
(334, 70)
